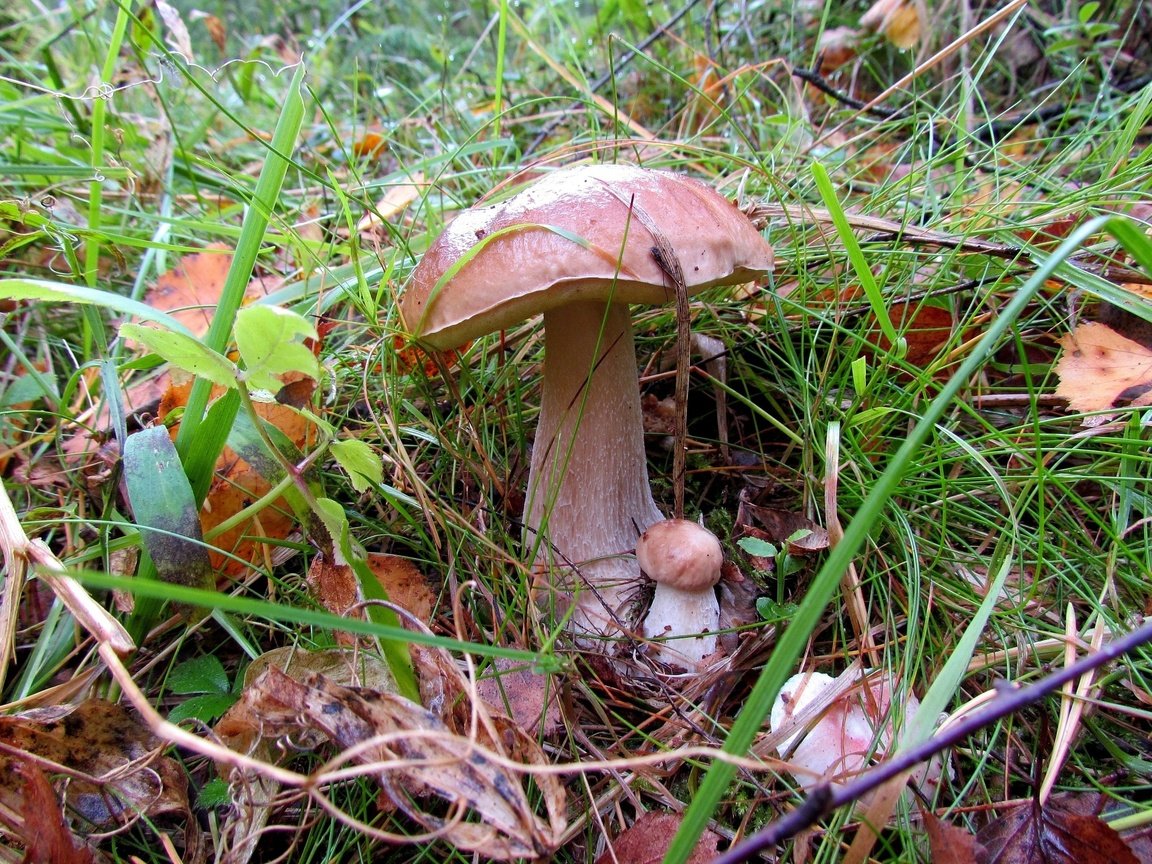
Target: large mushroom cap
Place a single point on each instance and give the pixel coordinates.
(560, 240)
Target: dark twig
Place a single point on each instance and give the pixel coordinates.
(821, 83)
(824, 799)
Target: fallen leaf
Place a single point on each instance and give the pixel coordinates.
(190, 291)
(648, 839)
(394, 202)
(1031, 833)
(415, 753)
(1100, 369)
(529, 698)
(337, 588)
(369, 144)
(836, 47)
(949, 844)
(781, 528)
(40, 825)
(926, 331)
(241, 479)
(109, 756)
(898, 21)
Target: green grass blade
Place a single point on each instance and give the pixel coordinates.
(252, 232)
(859, 262)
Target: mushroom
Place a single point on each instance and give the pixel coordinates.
(683, 559)
(854, 727)
(578, 246)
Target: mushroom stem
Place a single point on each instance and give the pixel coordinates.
(588, 493)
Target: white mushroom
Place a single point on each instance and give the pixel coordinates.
(854, 728)
(578, 246)
(683, 559)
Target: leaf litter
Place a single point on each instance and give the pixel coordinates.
(452, 767)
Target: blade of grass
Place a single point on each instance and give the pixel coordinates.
(199, 459)
(795, 637)
(268, 611)
(858, 261)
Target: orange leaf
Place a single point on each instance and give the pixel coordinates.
(237, 484)
(1100, 369)
(190, 291)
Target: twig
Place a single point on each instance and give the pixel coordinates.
(668, 262)
(825, 798)
(19, 553)
(821, 83)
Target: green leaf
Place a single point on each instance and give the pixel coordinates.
(205, 708)
(185, 353)
(365, 468)
(214, 794)
(199, 675)
(165, 509)
(269, 341)
(758, 547)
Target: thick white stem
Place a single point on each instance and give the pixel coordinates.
(588, 492)
(681, 613)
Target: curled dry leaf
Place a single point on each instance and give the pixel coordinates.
(110, 759)
(39, 826)
(414, 754)
(1100, 369)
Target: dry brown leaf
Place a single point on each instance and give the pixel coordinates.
(778, 526)
(837, 47)
(40, 825)
(108, 755)
(899, 21)
(1100, 369)
(404, 583)
(217, 29)
(338, 589)
(190, 291)
(1031, 833)
(926, 331)
(647, 842)
(394, 202)
(529, 697)
(415, 753)
(369, 144)
(236, 484)
(949, 844)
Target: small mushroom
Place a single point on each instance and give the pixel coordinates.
(683, 559)
(854, 727)
(578, 246)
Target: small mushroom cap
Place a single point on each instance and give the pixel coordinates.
(680, 554)
(578, 234)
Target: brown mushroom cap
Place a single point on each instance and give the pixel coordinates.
(680, 554)
(560, 240)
